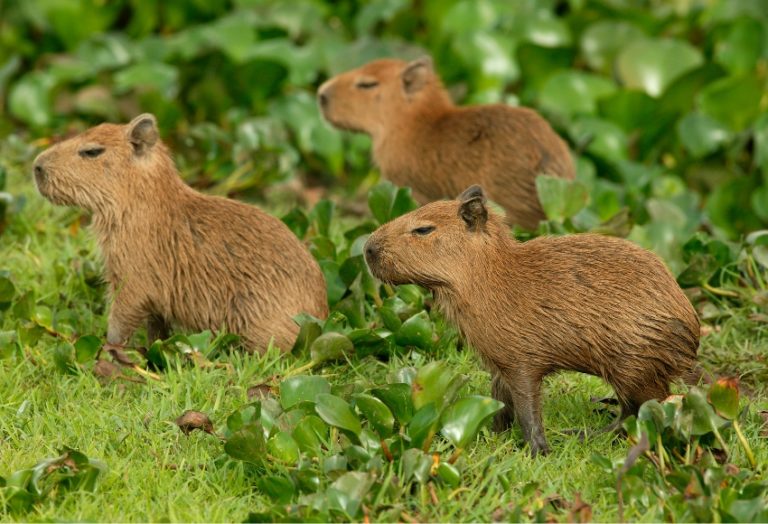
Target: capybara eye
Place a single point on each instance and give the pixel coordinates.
(367, 84)
(91, 152)
(423, 230)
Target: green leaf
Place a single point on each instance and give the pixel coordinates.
(277, 487)
(416, 465)
(330, 346)
(321, 215)
(64, 357)
(336, 412)
(302, 388)
(8, 344)
(724, 397)
(377, 413)
(156, 75)
(86, 348)
(430, 384)
(602, 41)
(7, 292)
(335, 285)
(247, 444)
(734, 100)
(740, 48)
(702, 135)
(29, 99)
(761, 150)
(423, 425)
(561, 198)
(574, 92)
(348, 492)
(309, 331)
(381, 197)
(283, 447)
(705, 420)
(310, 433)
(462, 420)
(397, 397)
(449, 474)
(416, 331)
(403, 203)
(652, 64)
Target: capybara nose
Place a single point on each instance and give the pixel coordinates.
(324, 95)
(322, 98)
(372, 251)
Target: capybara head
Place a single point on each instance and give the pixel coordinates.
(370, 98)
(437, 244)
(98, 168)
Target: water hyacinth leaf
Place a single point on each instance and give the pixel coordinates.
(574, 92)
(309, 331)
(321, 216)
(430, 384)
(7, 292)
(297, 221)
(652, 64)
(8, 344)
(403, 203)
(330, 346)
(724, 397)
(416, 331)
(381, 199)
(353, 308)
(302, 388)
(310, 433)
(734, 100)
(334, 283)
(86, 348)
(157, 75)
(64, 357)
(416, 465)
(449, 474)
(761, 148)
(377, 413)
(702, 135)
(337, 412)
(739, 49)
(462, 420)
(284, 448)
(705, 420)
(397, 397)
(650, 418)
(602, 41)
(561, 198)
(247, 443)
(423, 426)
(277, 487)
(29, 99)
(348, 492)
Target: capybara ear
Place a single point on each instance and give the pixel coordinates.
(142, 133)
(416, 74)
(472, 208)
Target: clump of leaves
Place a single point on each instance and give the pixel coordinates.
(348, 446)
(687, 472)
(70, 471)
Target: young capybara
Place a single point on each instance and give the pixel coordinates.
(588, 303)
(424, 141)
(173, 255)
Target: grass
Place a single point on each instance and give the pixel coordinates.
(158, 474)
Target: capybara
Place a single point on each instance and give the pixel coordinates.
(172, 255)
(422, 140)
(595, 304)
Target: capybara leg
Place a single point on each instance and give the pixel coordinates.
(500, 391)
(157, 329)
(525, 390)
(124, 319)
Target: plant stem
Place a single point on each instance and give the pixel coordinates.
(745, 444)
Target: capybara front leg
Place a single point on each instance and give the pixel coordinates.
(500, 391)
(526, 396)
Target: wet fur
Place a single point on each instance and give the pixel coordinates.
(423, 141)
(588, 303)
(173, 255)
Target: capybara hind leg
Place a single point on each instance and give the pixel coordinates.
(525, 390)
(500, 391)
(157, 329)
(124, 320)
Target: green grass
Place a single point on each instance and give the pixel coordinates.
(156, 473)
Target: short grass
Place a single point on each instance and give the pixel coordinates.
(158, 474)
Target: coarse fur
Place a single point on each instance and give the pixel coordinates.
(590, 303)
(422, 140)
(176, 256)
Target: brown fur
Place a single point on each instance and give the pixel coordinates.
(422, 140)
(588, 303)
(173, 255)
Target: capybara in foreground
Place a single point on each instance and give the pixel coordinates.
(588, 303)
(173, 255)
(422, 140)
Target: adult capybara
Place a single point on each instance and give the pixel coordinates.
(588, 303)
(176, 256)
(421, 139)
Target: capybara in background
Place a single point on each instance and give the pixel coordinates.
(174, 256)
(588, 303)
(422, 140)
